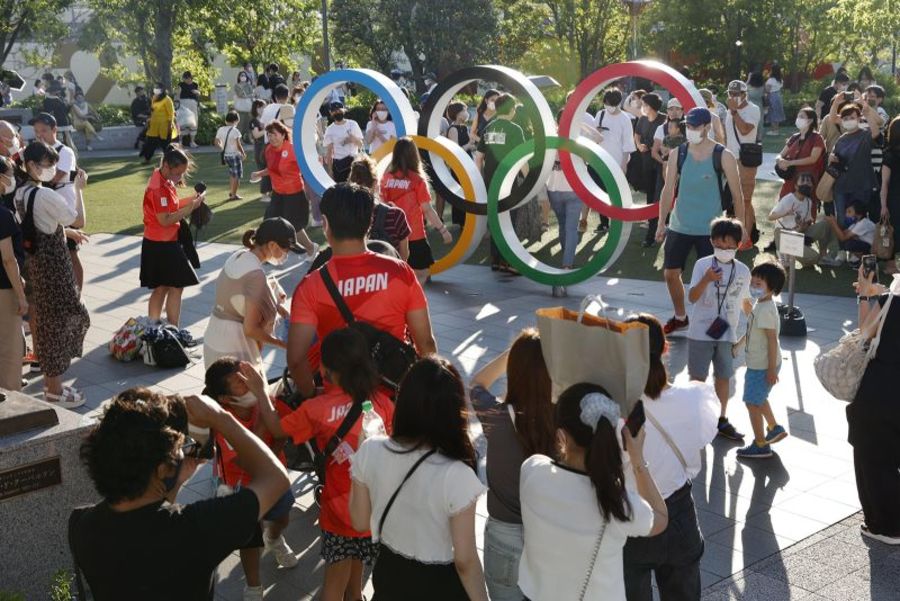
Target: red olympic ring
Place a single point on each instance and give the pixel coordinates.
(656, 72)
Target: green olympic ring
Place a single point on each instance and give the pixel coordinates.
(508, 243)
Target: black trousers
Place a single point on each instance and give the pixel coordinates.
(151, 143)
(674, 555)
(878, 485)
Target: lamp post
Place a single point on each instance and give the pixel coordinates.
(634, 8)
(326, 46)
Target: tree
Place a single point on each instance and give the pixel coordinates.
(144, 28)
(523, 26)
(30, 20)
(594, 32)
(262, 32)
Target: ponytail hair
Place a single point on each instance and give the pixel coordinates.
(345, 353)
(249, 239)
(175, 156)
(602, 455)
(657, 377)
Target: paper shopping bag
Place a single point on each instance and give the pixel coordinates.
(579, 347)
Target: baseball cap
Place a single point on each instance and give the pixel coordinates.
(737, 86)
(335, 105)
(698, 116)
(277, 230)
(673, 102)
(45, 118)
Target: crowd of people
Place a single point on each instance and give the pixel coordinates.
(580, 507)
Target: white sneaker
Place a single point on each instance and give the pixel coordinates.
(284, 555)
(253, 593)
(888, 540)
(265, 198)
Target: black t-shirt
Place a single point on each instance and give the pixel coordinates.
(826, 97)
(59, 110)
(892, 162)
(140, 106)
(498, 139)
(10, 229)
(162, 551)
(188, 89)
(645, 129)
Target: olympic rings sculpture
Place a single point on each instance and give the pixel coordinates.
(487, 204)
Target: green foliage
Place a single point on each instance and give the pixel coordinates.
(26, 21)
(61, 586)
(4, 596)
(209, 122)
(113, 114)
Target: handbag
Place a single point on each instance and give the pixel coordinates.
(579, 347)
(840, 369)
(788, 174)
(163, 348)
(825, 188)
(751, 153)
(883, 243)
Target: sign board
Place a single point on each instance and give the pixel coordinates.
(221, 98)
(28, 478)
(790, 243)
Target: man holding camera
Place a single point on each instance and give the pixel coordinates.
(137, 543)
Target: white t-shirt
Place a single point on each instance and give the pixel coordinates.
(335, 135)
(864, 230)
(284, 112)
(705, 310)
(50, 209)
(557, 181)
(67, 164)
(588, 127)
(562, 523)
(229, 139)
(387, 129)
(618, 135)
(418, 525)
(795, 207)
(750, 114)
(689, 413)
(773, 85)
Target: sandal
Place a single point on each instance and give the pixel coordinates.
(69, 399)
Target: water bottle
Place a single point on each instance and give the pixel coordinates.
(372, 423)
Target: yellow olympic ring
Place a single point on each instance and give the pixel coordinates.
(470, 186)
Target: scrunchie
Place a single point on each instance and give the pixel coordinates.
(597, 405)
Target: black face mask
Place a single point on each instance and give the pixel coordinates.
(805, 189)
(338, 116)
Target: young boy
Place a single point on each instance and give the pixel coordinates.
(720, 287)
(228, 139)
(763, 359)
(857, 236)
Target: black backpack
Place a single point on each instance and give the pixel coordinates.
(392, 357)
(29, 231)
(164, 348)
(724, 192)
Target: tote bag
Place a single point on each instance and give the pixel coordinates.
(579, 347)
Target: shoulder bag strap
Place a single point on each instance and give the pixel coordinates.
(668, 440)
(390, 502)
(348, 422)
(882, 317)
(346, 313)
(590, 572)
(79, 582)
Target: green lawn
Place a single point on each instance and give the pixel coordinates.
(116, 189)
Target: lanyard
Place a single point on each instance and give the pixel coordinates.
(721, 297)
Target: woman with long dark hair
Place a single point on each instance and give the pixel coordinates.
(804, 151)
(519, 426)
(59, 320)
(417, 491)
(576, 511)
(380, 128)
(351, 379)
(405, 185)
(483, 114)
(161, 129)
(773, 95)
(165, 268)
(681, 420)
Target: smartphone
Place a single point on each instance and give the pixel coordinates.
(870, 265)
(636, 419)
(199, 187)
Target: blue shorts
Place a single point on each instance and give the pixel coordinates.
(281, 508)
(756, 388)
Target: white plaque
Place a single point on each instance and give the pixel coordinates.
(790, 243)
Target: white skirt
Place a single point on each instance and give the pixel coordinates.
(226, 338)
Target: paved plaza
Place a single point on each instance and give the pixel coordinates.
(785, 528)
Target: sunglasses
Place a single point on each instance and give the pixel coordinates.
(191, 448)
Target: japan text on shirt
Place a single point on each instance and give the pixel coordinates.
(363, 284)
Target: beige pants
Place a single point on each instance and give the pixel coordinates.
(12, 345)
(748, 184)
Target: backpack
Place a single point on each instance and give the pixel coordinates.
(127, 342)
(378, 232)
(163, 348)
(29, 230)
(724, 192)
(392, 357)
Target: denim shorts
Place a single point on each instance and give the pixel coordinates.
(235, 165)
(503, 544)
(703, 352)
(756, 388)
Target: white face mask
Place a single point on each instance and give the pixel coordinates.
(850, 124)
(382, 115)
(490, 106)
(245, 400)
(296, 98)
(694, 136)
(14, 146)
(157, 91)
(612, 110)
(724, 255)
(45, 174)
(801, 123)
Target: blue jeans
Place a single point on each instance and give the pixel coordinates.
(503, 544)
(842, 200)
(567, 207)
